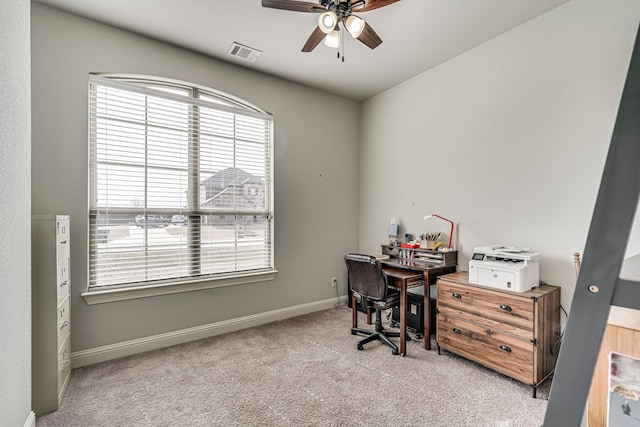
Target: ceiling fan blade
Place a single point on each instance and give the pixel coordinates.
(296, 6)
(314, 40)
(369, 37)
(366, 5)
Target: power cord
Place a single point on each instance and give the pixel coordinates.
(555, 348)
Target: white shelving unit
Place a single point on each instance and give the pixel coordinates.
(51, 310)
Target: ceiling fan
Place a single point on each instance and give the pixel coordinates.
(332, 13)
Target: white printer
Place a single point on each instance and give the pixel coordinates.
(504, 267)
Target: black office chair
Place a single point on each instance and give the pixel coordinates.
(367, 280)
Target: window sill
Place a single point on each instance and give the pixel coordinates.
(122, 294)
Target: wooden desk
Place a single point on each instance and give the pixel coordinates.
(402, 279)
(430, 273)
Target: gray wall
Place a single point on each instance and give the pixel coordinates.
(315, 175)
(15, 227)
(511, 137)
(508, 139)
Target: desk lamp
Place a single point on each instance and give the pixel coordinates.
(445, 219)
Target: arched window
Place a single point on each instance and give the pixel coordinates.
(181, 185)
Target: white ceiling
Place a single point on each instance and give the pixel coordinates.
(417, 35)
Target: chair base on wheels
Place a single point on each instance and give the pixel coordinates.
(373, 336)
(378, 334)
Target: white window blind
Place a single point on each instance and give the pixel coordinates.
(181, 185)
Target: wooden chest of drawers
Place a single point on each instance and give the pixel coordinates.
(510, 332)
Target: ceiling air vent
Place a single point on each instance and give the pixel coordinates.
(244, 52)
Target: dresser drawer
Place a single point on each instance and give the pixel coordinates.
(501, 352)
(62, 250)
(63, 278)
(62, 228)
(64, 366)
(506, 312)
(64, 324)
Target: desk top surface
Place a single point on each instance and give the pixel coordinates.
(405, 264)
(402, 274)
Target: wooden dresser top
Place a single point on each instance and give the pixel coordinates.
(462, 278)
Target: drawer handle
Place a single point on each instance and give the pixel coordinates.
(505, 348)
(457, 331)
(65, 283)
(505, 307)
(456, 295)
(64, 324)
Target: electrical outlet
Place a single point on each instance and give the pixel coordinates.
(334, 282)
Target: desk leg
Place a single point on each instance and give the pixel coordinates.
(354, 311)
(403, 318)
(426, 311)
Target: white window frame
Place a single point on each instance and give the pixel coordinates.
(213, 100)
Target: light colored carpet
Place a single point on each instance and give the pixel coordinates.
(304, 371)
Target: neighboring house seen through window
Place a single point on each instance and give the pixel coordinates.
(181, 185)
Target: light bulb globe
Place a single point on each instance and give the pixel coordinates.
(327, 22)
(354, 25)
(333, 39)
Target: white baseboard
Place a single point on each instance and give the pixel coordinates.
(31, 420)
(140, 345)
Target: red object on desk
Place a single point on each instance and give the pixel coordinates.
(410, 245)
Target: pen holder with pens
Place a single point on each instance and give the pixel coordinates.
(430, 241)
(427, 244)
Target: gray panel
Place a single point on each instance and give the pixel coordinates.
(603, 256)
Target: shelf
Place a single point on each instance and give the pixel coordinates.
(421, 255)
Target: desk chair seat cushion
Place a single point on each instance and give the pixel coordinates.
(392, 300)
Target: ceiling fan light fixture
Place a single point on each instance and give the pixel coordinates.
(354, 25)
(327, 22)
(333, 39)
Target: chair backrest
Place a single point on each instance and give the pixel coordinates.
(365, 276)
